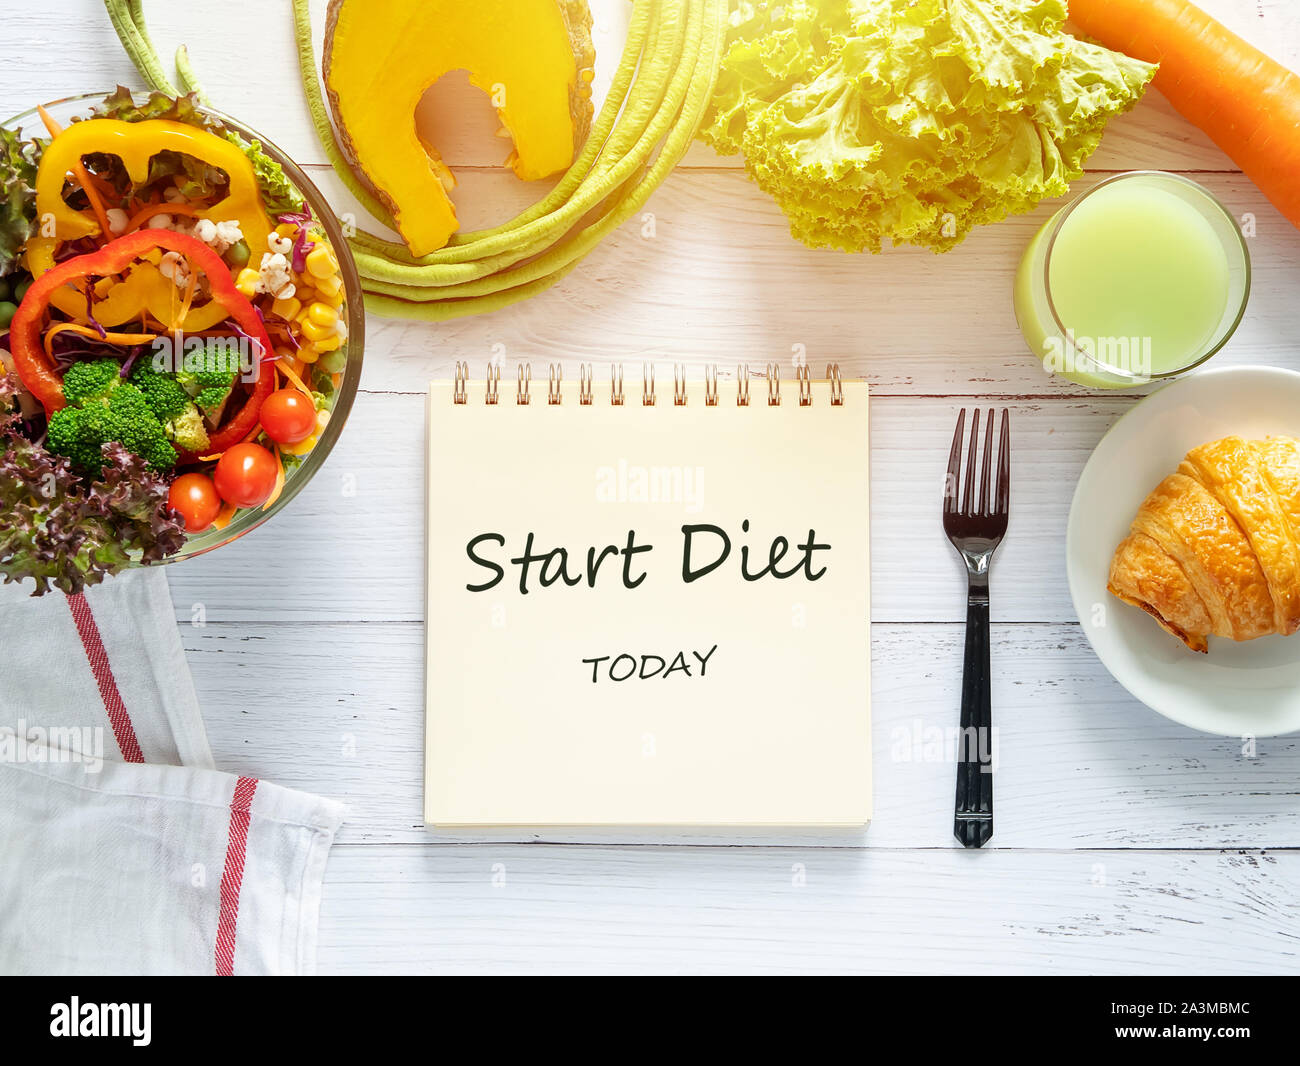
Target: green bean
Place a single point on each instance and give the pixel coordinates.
(127, 17)
(657, 100)
(185, 72)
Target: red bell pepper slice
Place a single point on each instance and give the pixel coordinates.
(37, 370)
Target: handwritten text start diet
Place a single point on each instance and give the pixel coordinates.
(705, 548)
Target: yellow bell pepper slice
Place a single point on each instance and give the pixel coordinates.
(135, 144)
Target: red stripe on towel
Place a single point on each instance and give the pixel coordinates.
(233, 875)
(118, 717)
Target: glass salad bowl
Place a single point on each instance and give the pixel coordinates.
(30, 124)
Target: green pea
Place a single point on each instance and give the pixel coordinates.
(20, 290)
(333, 362)
(237, 255)
(7, 312)
(5, 290)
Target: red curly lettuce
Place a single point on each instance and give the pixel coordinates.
(66, 531)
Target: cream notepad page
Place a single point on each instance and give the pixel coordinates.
(639, 697)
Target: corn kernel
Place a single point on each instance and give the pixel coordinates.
(286, 229)
(321, 261)
(322, 314)
(322, 420)
(327, 344)
(287, 309)
(247, 281)
(309, 353)
(315, 332)
(329, 285)
(301, 448)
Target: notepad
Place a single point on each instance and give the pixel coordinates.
(652, 612)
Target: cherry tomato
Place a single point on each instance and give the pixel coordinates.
(288, 416)
(245, 475)
(196, 498)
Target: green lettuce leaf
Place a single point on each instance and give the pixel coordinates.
(912, 121)
(278, 192)
(18, 160)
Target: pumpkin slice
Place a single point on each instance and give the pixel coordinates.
(533, 58)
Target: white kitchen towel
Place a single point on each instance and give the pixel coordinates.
(110, 861)
(140, 869)
(108, 659)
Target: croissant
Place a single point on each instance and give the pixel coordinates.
(1213, 550)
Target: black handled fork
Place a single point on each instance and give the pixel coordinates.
(976, 529)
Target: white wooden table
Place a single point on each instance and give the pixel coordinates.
(1124, 842)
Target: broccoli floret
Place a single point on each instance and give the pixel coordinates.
(215, 379)
(171, 404)
(187, 430)
(120, 414)
(138, 428)
(80, 433)
(212, 397)
(167, 399)
(215, 367)
(91, 380)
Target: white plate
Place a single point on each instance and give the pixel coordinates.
(1237, 689)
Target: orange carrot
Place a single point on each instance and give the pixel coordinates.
(1247, 103)
(224, 516)
(289, 372)
(279, 480)
(150, 210)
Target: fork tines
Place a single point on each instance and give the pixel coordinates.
(963, 505)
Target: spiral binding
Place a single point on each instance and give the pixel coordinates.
(587, 391)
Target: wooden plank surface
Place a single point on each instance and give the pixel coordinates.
(305, 637)
(491, 909)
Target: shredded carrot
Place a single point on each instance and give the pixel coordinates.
(102, 185)
(292, 376)
(87, 331)
(150, 210)
(190, 286)
(279, 480)
(224, 516)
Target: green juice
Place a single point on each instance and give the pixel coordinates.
(1141, 277)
